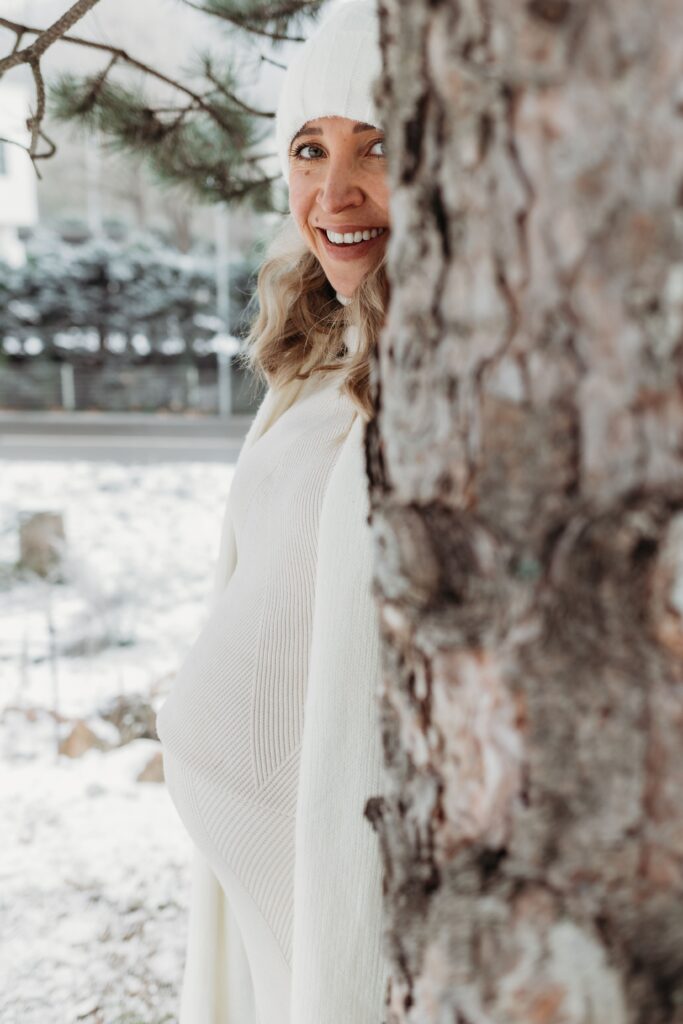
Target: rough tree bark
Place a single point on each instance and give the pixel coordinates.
(526, 476)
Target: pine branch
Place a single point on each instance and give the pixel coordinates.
(203, 144)
(270, 21)
(205, 152)
(267, 13)
(240, 23)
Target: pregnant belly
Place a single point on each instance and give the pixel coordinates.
(249, 846)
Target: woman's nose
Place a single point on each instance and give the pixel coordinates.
(341, 186)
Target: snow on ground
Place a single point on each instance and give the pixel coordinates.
(94, 865)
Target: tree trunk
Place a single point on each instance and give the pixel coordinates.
(526, 479)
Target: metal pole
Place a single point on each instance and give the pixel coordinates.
(222, 272)
(66, 374)
(224, 384)
(192, 387)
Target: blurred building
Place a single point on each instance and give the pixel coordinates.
(18, 192)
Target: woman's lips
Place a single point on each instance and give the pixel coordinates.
(349, 252)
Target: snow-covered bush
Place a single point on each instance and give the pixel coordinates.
(116, 288)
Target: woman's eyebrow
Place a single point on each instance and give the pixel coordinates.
(317, 130)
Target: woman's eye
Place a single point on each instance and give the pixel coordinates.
(298, 152)
(307, 145)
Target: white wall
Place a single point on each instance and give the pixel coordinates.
(18, 193)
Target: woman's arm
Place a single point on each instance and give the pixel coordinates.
(339, 970)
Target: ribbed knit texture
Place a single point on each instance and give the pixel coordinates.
(269, 734)
(232, 725)
(339, 972)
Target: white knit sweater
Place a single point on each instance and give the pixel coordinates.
(271, 746)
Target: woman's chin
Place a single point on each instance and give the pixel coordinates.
(345, 285)
(344, 289)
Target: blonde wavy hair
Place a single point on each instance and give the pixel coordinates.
(299, 328)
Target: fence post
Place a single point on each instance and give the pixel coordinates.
(192, 387)
(224, 383)
(68, 390)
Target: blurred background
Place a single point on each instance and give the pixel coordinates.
(124, 287)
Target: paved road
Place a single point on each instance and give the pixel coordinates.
(120, 437)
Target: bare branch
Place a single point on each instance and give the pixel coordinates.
(17, 42)
(13, 142)
(34, 122)
(51, 151)
(34, 156)
(124, 56)
(47, 37)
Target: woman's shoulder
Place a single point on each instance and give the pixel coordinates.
(274, 402)
(319, 397)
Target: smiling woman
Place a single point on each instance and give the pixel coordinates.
(322, 294)
(338, 193)
(271, 743)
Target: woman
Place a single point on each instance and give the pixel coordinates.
(270, 737)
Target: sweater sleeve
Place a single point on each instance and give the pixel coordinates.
(217, 986)
(339, 971)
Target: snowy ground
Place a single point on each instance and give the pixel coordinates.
(94, 865)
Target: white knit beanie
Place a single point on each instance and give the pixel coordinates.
(332, 74)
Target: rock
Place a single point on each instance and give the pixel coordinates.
(41, 541)
(133, 716)
(105, 731)
(153, 770)
(80, 739)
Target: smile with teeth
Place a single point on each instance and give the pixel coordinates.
(353, 238)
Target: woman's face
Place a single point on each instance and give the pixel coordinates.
(338, 183)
